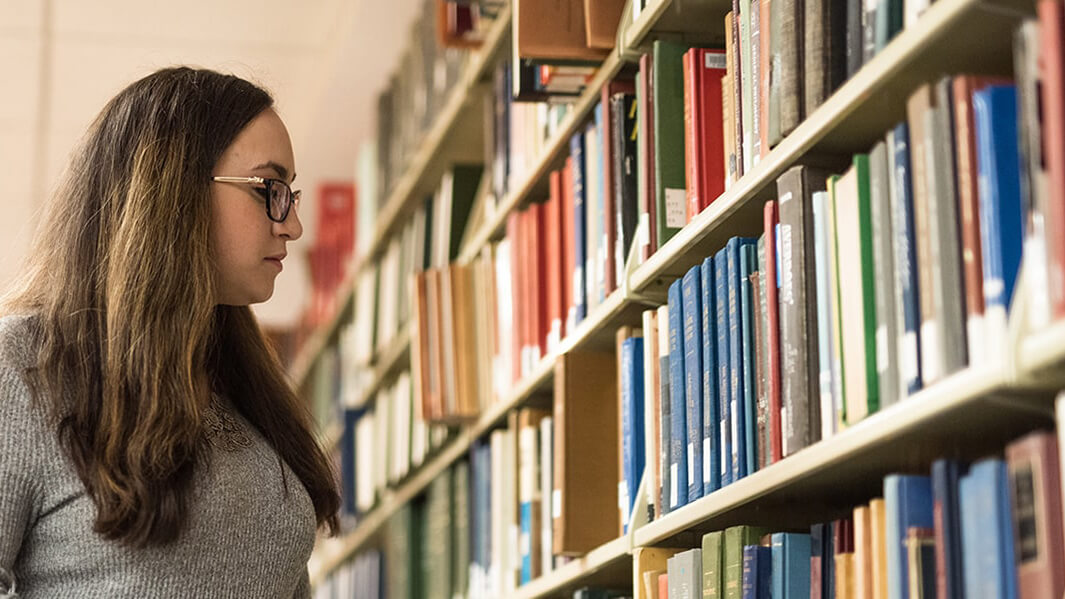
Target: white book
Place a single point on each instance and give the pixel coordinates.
(650, 391)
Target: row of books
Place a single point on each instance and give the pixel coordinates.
(381, 444)
(358, 578)
(992, 528)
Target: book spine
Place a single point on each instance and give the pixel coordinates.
(945, 474)
(724, 386)
(883, 270)
(906, 292)
(748, 305)
(666, 411)
(969, 212)
(791, 67)
(1035, 486)
(580, 228)
(691, 294)
(712, 160)
(824, 312)
(711, 456)
(988, 558)
(761, 323)
(773, 116)
(669, 165)
(1052, 32)
(691, 134)
(776, 416)
(765, 8)
(868, 281)
(737, 89)
(755, 45)
(678, 467)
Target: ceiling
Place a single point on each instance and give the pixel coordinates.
(324, 61)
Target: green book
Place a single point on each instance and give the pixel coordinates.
(460, 540)
(735, 539)
(668, 97)
(713, 556)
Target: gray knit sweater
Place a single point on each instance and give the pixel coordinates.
(245, 536)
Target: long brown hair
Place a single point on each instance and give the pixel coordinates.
(131, 342)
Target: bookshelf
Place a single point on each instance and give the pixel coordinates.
(970, 412)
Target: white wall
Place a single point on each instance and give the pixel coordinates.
(324, 61)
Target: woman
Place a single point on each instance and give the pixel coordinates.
(150, 445)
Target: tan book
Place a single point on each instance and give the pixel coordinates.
(586, 449)
(863, 553)
(878, 544)
(844, 576)
(647, 564)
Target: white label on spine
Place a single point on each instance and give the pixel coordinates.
(556, 503)
(622, 492)
(691, 464)
(716, 60)
(735, 433)
(706, 461)
(724, 455)
(908, 351)
(931, 352)
(673, 485)
(675, 207)
(882, 357)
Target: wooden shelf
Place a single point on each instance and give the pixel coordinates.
(1042, 354)
(608, 566)
(951, 36)
(456, 135)
(968, 414)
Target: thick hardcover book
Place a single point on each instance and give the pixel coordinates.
(626, 209)
(580, 228)
(593, 211)
(736, 356)
(632, 427)
(755, 43)
(691, 298)
(854, 37)
(678, 450)
(645, 155)
(547, 449)
(724, 386)
(824, 45)
(792, 110)
(1001, 229)
(825, 340)
(765, 12)
(887, 330)
(651, 412)
(770, 219)
(665, 411)
(585, 397)
(907, 502)
(693, 149)
(713, 546)
(711, 411)
(1052, 30)
(986, 531)
(791, 565)
(669, 164)
(799, 367)
(730, 102)
(613, 136)
(736, 538)
(760, 380)
(772, 117)
(907, 306)
(747, 77)
(757, 572)
(711, 168)
(863, 552)
(685, 571)
(879, 549)
(748, 313)
(1035, 497)
(569, 248)
(735, 63)
(857, 306)
(947, 527)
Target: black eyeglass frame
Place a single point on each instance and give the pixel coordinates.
(264, 192)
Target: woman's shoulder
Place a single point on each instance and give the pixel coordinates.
(17, 341)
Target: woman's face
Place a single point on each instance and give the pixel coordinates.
(246, 245)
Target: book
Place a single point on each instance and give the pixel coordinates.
(878, 541)
(711, 408)
(825, 340)
(791, 565)
(736, 538)
(737, 406)
(685, 574)
(624, 170)
(583, 519)
(547, 449)
(791, 58)
(630, 369)
(921, 563)
(988, 558)
(713, 555)
(907, 306)
(799, 363)
(724, 383)
(820, 551)
(651, 415)
(1035, 498)
(947, 526)
(669, 166)
(907, 503)
(666, 411)
(747, 315)
(645, 154)
(863, 551)
(647, 563)
(678, 447)
(1052, 29)
(887, 329)
(691, 299)
(770, 219)
(580, 228)
(529, 492)
(757, 572)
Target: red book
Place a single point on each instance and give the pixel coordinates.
(554, 253)
(569, 242)
(1052, 57)
(693, 184)
(647, 147)
(1035, 496)
(518, 289)
(610, 221)
(771, 218)
(540, 256)
(712, 66)
(663, 586)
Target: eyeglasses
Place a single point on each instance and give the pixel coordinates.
(277, 195)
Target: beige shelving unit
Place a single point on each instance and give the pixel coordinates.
(974, 410)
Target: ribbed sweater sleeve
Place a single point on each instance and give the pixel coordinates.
(20, 427)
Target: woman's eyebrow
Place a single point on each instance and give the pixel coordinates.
(281, 170)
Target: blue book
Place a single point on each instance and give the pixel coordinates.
(907, 503)
(947, 520)
(711, 413)
(737, 399)
(525, 548)
(691, 295)
(998, 169)
(901, 201)
(600, 201)
(665, 411)
(757, 572)
(678, 467)
(724, 429)
(748, 312)
(348, 460)
(987, 532)
(820, 552)
(632, 427)
(580, 226)
(825, 340)
(791, 565)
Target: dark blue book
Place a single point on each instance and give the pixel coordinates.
(347, 460)
(691, 296)
(947, 521)
(632, 429)
(748, 312)
(711, 413)
(665, 410)
(987, 531)
(678, 457)
(907, 503)
(1001, 229)
(901, 201)
(820, 552)
(580, 226)
(724, 428)
(791, 565)
(757, 572)
(737, 355)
